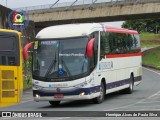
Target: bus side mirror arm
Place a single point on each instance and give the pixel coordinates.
(25, 50)
(90, 47)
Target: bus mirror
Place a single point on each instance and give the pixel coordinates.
(90, 47)
(25, 50)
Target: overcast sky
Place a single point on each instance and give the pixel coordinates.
(26, 3)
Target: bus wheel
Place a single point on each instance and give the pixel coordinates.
(54, 103)
(129, 90)
(100, 98)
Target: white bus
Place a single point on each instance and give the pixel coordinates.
(84, 61)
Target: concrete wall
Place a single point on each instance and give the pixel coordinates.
(96, 14)
(4, 12)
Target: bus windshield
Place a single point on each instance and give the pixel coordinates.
(57, 59)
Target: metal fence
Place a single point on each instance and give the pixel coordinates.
(85, 3)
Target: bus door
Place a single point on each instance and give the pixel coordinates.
(9, 85)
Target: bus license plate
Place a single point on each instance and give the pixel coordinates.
(58, 96)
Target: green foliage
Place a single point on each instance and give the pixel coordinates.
(152, 58)
(149, 44)
(149, 36)
(149, 39)
(27, 67)
(143, 25)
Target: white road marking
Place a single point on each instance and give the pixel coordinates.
(150, 102)
(157, 93)
(132, 104)
(151, 70)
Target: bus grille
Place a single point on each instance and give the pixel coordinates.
(7, 74)
(7, 84)
(8, 94)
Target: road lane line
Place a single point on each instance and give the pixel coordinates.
(133, 103)
(151, 70)
(151, 102)
(157, 93)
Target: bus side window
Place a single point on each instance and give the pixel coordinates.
(104, 44)
(136, 43)
(133, 43)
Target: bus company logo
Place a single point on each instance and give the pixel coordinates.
(18, 20)
(106, 65)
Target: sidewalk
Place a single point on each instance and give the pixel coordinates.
(27, 95)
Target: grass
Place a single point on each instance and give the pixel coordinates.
(150, 39)
(152, 58)
(149, 44)
(149, 36)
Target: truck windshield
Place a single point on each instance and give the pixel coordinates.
(57, 59)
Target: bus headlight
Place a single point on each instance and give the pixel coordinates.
(37, 96)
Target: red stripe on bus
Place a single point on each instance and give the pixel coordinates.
(122, 31)
(124, 55)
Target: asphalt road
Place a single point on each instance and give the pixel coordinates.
(146, 97)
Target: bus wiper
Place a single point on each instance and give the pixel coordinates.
(66, 67)
(53, 63)
(83, 67)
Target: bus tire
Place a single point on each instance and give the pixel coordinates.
(54, 103)
(100, 98)
(129, 90)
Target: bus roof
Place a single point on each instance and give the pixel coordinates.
(75, 30)
(7, 30)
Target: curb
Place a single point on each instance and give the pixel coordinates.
(26, 89)
(151, 67)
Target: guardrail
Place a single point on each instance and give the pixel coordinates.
(84, 3)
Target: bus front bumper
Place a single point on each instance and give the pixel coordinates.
(38, 98)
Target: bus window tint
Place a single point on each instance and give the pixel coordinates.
(9, 50)
(104, 44)
(117, 43)
(7, 43)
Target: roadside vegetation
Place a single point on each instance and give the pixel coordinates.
(27, 74)
(151, 58)
(149, 39)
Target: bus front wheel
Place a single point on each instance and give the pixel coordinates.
(100, 98)
(54, 103)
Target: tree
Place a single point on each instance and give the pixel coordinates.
(143, 25)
